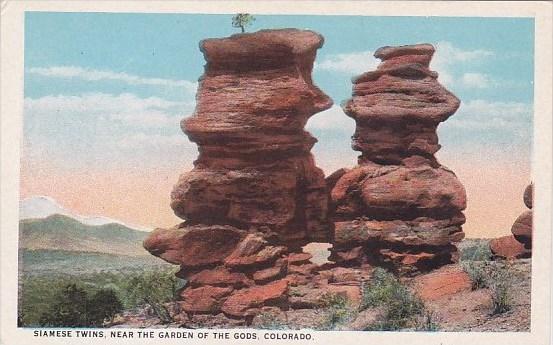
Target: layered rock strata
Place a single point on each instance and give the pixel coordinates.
(399, 207)
(255, 196)
(519, 244)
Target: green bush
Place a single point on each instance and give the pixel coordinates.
(429, 323)
(68, 310)
(337, 310)
(269, 320)
(478, 273)
(497, 277)
(103, 305)
(477, 251)
(153, 289)
(400, 306)
(72, 307)
(500, 284)
(38, 294)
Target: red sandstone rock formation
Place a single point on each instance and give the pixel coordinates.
(255, 196)
(255, 169)
(399, 208)
(519, 244)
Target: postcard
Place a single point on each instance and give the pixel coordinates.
(274, 171)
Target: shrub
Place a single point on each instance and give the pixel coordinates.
(401, 306)
(269, 320)
(72, 307)
(479, 250)
(478, 273)
(429, 323)
(153, 289)
(337, 310)
(39, 294)
(379, 290)
(103, 305)
(68, 310)
(500, 283)
(498, 278)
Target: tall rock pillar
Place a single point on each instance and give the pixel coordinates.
(399, 207)
(255, 196)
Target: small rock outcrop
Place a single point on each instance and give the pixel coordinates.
(399, 207)
(255, 196)
(519, 244)
(507, 247)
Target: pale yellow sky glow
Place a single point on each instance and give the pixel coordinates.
(494, 185)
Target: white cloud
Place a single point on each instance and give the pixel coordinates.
(476, 80)
(126, 108)
(100, 128)
(448, 59)
(99, 75)
(447, 53)
(351, 63)
(332, 119)
(482, 115)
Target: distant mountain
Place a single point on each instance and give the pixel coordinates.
(36, 207)
(60, 232)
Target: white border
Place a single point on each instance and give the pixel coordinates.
(12, 25)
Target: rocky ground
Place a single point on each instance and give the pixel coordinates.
(341, 300)
(472, 310)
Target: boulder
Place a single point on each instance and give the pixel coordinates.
(507, 247)
(522, 229)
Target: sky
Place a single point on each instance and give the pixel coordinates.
(105, 92)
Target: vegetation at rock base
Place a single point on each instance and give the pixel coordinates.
(478, 273)
(241, 20)
(270, 320)
(89, 299)
(153, 289)
(475, 250)
(497, 278)
(337, 310)
(401, 307)
(500, 285)
(428, 323)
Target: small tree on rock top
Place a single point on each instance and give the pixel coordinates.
(241, 20)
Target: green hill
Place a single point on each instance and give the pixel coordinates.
(58, 232)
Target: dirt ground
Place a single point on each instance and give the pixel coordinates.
(472, 310)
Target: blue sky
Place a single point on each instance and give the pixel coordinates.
(106, 90)
(75, 60)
